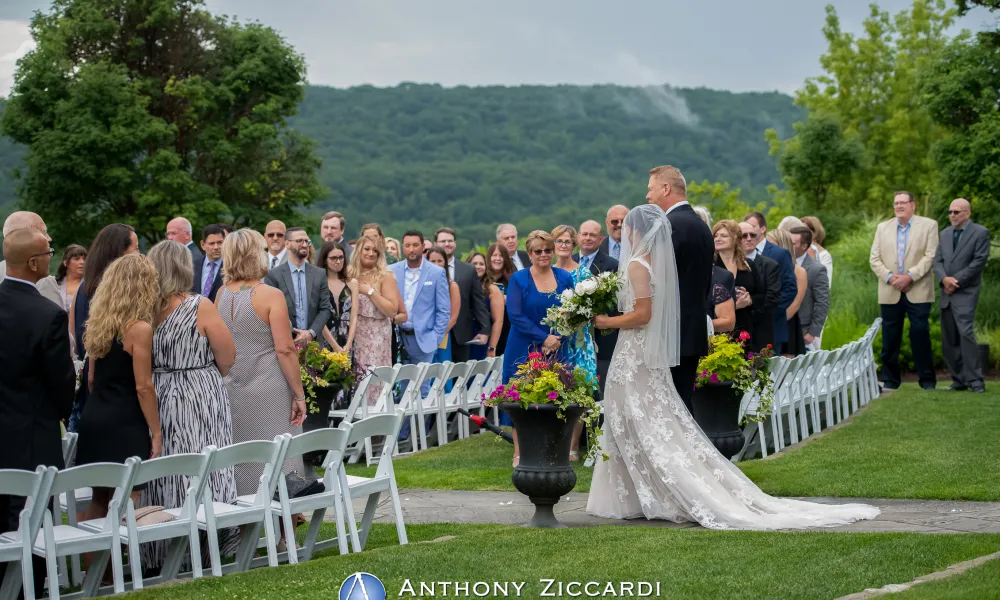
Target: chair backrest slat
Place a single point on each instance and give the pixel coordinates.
(188, 465)
(328, 439)
(15, 482)
(108, 475)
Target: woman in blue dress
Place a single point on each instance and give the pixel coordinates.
(582, 352)
(530, 294)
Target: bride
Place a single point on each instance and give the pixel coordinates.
(661, 465)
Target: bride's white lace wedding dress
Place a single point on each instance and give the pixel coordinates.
(661, 465)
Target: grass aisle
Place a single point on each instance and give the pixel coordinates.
(688, 563)
(912, 444)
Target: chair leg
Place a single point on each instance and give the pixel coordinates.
(368, 517)
(352, 526)
(313, 532)
(398, 509)
(213, 539)
(194, 550)
(175, 555)
(134, 564)
(339, 513)
(293, 550)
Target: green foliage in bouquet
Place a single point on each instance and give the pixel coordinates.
(321, 368)
(728, 360)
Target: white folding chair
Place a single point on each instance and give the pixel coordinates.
(334, 443)
(101, 535)
(384, 479)
(15, 546)
(426, 407)
(71, 504)
(251, 510)
(453, 400)
(359, 408)
(413, 375)
(471, 399)
(780, 368)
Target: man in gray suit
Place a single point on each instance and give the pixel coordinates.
(816, 303)
(305, 289)
(958, 265)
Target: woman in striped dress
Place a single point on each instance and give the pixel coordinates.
(192, 351)
(265, 384)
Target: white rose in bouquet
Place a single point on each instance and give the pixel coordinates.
(567, 295)
(586, 287)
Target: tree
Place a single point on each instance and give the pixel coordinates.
(819, 157)
(871, 84)
(141, 110)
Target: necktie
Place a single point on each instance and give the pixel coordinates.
(206, 287)
(616, 251)
(274, 261)
(586, 260)
(300, 300)
(955, 237)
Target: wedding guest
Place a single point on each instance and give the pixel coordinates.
(307, 297)
(121, 418)
(438, 256)
(613, 243)
(962, 252)
(817, 251)
(340, 329)
(207, 278)
(495, 303)
(472, 313)
(787, 281)
(37, 378)
(507, 237)
(378, 307)
(277, 253)
(22, 219)
(192, 351)
(264, 385)
(331, 229)
(531, 293)
(179, 230)
(112, 242)
(374, 230)
(598, 261)
(500, 269)
(70, 273)
(902, 258)
(754, 300)
(789, 223)
(816, 304)
(393, 249)
(795, 344)
(722, 301)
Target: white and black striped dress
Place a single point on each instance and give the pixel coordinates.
(194, 413)
(260, 398)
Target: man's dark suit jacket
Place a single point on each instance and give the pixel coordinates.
(694, 252)
(36, 379)
(473, 310)
(605, 342)
(789, 288)
(196, 255)
(525, 259)
(767, 274)
(317, 295)
(199, 279)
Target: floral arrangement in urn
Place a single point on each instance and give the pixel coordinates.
(322, 368)
(541, 380)
(597, 295)
(729, 361)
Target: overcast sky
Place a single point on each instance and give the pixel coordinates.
(737, 45)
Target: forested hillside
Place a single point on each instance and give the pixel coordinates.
(472, 157)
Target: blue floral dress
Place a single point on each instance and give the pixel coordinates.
(583, 356)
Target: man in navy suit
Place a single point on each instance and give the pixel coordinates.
(694, 253)
(598, 262)
(179, 230)
(789, 286)
(208, 271)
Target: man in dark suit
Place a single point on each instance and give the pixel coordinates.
(789, 286)
(305, 289)
(179, 230)
(507, 237)
(767, 293)
(473, 314)
(958, 265)
(37, 378)
(208, 271)
(598, 262)
(614, 220)
(816, 303)
(694, 252)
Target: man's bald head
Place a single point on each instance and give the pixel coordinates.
(179, 230)
(25, 252)
(24, 219)
(590, 237)
(959, 212)
(616, 216)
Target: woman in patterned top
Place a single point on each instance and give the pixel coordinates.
(192, 351)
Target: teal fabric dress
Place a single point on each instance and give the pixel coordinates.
(583, 356)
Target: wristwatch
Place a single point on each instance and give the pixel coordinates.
(371, 292)
(491, 349)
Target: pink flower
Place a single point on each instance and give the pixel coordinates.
(713, 378)
(515, 396)
(744, 336)
(553, 395)
(535, 356)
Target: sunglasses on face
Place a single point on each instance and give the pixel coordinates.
(615, 222)
(542, 251)
(275, 235)
(749, 236)
(955, 212)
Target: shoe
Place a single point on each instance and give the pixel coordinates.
(516, 461)
(979, 389)
(574, 455)
(930, 387)
(957, 387)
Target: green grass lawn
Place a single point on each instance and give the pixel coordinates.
(912, 444)
(687, 563)
(981, 583)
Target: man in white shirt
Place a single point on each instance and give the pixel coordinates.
(507, 237)
(277, 253)
(472, 314)
(612, 244)
(179, 230)
(23, 219)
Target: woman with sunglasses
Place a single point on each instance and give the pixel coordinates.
(530, 294)
(751, 288)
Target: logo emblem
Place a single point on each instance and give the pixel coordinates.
(362, 586)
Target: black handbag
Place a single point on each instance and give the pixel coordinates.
(299, 486)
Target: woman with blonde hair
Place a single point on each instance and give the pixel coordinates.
(266, 398)
(816, 250)
(120, 419)
(796, 344)
(379, 307)
(753, 301)
(192, 351)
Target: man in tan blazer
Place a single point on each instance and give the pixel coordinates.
(902, 259)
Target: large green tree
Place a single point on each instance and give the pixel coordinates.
(140, 110)
(871, 85)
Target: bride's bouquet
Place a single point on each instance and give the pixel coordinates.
(597, 295)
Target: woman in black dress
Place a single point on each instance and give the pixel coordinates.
(729, 254)
(722, 301)
(500, 268)
(120, 419)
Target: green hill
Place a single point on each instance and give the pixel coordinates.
(470, 157)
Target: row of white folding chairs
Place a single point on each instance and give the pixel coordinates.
(39, 534)
(468, 382)
(842, 380)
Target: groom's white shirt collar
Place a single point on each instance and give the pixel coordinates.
(681, 203)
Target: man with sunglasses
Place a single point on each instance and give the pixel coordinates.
(613, 243)
(962, 252)
(23, 219)
(277, 253)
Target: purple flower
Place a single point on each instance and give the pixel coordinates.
(713, 378)
(553, 395)
(515, 396)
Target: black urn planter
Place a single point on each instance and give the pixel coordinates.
(716, 408)
(544, 473)
(319, 419)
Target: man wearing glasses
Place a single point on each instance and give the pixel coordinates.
(304, 287)
(962, 252)
(23, 219)
(277, 253)
(612, 245)
(902, 259)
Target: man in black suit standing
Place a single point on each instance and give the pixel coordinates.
(179, 230)
(507, 237)
(37, 379)
(304, 286)
(598, 262)
(694, 250)
(208, 270)
(612, 244)
(473, 314)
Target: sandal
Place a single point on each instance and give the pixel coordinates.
(516, 461)
(574, 455)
